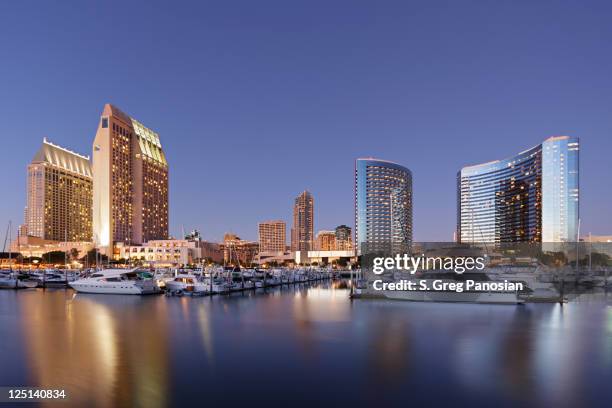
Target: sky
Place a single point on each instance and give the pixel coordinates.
(256, 101)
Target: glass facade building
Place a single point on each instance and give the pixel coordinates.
(531, 197)
(383, 203)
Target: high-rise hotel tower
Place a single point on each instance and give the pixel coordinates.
(302, 231)
(383, 204)
(59, 195)
(272, 236)
(531, 197)
(130, 184)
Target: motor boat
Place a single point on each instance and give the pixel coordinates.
(117, 281)
(186, 282)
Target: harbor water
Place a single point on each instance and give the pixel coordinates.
(303, 345)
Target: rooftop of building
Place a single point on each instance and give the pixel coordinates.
(272, 222)
(149, 141)
(391, 164)
(63, 158)
(549, 139)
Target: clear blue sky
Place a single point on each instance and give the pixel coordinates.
(256, 101)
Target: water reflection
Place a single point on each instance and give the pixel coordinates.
(103, 349)
(158, 351)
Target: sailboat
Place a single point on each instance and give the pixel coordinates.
(11, 279)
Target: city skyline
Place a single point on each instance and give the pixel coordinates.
(43, 155)
(236, 101)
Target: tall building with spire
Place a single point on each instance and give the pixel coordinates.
(302, 232)
(59, 195)
(130, 183)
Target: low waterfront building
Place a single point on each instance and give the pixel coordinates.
(325, 257)
(35, 247)
(161, 253)
(276, 257)
(8, 260)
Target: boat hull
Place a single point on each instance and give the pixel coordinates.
(112, 289)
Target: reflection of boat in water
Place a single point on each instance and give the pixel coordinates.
(117, 281)
(435, 287)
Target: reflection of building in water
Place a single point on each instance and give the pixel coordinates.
(390, 352)
(313, 306)
(101, 351)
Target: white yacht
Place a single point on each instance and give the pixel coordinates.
(186, 282)
(117, 281)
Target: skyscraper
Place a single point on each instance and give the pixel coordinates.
(530, 197)
(130, 183)
(383, 203)
(302, 232)
(59, 195)
(344, 240)
(272, 236)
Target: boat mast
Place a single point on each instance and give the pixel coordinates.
(10, 238)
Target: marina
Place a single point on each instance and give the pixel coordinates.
(172, 282)
(156, 351)
(507, 286)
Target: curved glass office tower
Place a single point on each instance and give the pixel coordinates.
(383, 203)
(531, 197)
